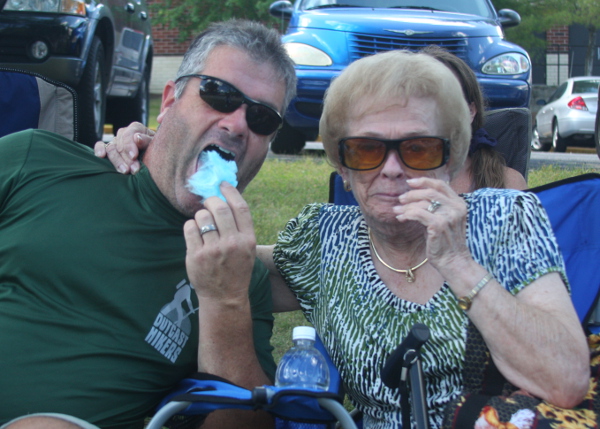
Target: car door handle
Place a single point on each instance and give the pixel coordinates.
(130, 7)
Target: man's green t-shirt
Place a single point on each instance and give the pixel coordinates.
(97, 317)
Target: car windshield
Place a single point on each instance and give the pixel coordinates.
(472, 7)
(585, 86)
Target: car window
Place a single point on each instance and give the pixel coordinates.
(558, 93)
(472, 7)
(585, 86)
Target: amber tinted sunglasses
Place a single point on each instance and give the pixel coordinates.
(417, 153)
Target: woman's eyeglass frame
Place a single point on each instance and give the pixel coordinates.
(396, 144)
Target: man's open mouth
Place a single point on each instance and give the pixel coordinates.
(224, 153)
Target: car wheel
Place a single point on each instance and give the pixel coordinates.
(288, 141)
(124, 111)
(559, 143)
(91, 94)
(536, 144)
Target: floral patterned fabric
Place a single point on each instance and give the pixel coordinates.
(516, 409)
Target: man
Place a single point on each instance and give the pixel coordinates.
(99, 318)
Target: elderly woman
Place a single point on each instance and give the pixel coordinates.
(396, 127)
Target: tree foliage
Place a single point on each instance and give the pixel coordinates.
(192, 16)
(538, 16)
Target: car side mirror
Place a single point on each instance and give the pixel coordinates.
(509, 18)
(281, 9)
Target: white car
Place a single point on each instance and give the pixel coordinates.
(568, 118)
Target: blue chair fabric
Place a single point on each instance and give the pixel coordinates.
(571, 205)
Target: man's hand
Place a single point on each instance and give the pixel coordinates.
(220, 261)
(124, 150)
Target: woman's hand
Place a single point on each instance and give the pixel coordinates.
(434, 204)
(124, 150)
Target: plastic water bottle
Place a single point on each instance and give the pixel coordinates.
(303, 366)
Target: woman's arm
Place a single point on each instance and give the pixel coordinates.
(283, 298)
(535, 337)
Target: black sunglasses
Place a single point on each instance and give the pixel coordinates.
(226, 98)
(417, 153)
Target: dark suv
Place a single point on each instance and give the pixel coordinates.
(102, 49)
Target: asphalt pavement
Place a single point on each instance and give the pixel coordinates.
(587, 160)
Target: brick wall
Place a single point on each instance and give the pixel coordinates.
(557, 55)
(558, 39)
(168, 53)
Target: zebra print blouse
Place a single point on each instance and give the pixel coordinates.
(325, 258)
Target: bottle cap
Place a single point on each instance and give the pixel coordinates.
(303, 333)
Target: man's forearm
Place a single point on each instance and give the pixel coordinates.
(226, 348)
(226, 344)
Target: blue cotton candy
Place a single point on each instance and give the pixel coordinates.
(213, 170)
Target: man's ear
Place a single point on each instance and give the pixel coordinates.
(168, 98)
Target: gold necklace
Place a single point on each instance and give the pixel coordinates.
(409, 273)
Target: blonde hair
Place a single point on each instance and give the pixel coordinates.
(388, 79)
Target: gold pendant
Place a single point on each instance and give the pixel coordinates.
(410, 277)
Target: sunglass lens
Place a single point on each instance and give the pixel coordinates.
(220, 95)
(363, 154)
(422, 153)
(262, 120)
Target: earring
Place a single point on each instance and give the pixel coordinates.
(347, 186)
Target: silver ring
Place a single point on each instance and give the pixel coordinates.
(106, 145)
(434, 206)
(208, 228)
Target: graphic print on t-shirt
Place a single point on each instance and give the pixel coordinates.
(172, 326)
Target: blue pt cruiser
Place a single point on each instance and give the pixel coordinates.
(324, 36)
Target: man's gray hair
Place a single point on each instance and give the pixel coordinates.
(262, 44)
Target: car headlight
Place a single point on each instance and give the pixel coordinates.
(76, 7)
(513, 63)
(306, 55)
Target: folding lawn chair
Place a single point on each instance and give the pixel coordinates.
(571, 205)
(511, 127)
(29, 100)
(205, 393)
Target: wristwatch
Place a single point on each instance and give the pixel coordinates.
(465, 302)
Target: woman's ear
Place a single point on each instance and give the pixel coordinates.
(472, 111)
(343, 172)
